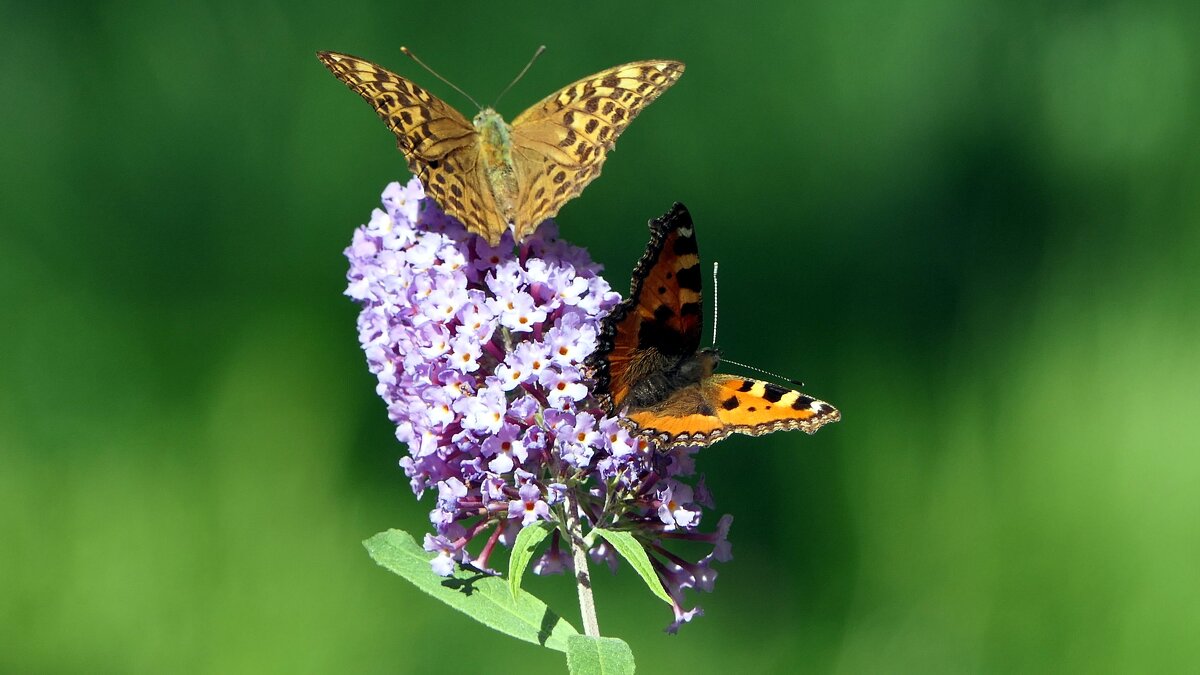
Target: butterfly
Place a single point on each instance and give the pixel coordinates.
(649, 367)
(492, 175)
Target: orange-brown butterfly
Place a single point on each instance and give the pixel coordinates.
(492, 175)
(650, 369)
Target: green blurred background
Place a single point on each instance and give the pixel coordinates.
(973, 226)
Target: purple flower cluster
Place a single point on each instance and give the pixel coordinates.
(478, 351)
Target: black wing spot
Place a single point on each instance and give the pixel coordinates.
(689, 278)
(774, 393)
(730, 403)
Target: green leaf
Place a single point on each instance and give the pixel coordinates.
(483, 597)
(522, 552)
(632, 551)
(598, 656)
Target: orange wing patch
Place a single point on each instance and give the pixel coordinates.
(668, 431)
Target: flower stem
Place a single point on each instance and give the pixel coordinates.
(583, 579)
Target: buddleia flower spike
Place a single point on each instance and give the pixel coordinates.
(478, 351)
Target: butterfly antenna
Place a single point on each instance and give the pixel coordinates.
(520, 74)
(435, 74)
(714, 340)
(764, 372)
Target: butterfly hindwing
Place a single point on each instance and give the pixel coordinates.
(459, 183)
(731, 405)
(649, 368)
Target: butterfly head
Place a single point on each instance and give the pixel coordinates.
(488, 118)
(701, 364)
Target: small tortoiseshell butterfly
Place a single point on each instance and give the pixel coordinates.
(649, 366)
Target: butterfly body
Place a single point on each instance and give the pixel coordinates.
(652, 385)
(496, 154)
(649, 367)
(495, 176)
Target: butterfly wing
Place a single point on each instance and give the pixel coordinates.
(560, 143)
(440, 145)
(720, 405)
(660, 321)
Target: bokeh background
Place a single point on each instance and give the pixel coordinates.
(971, 225)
